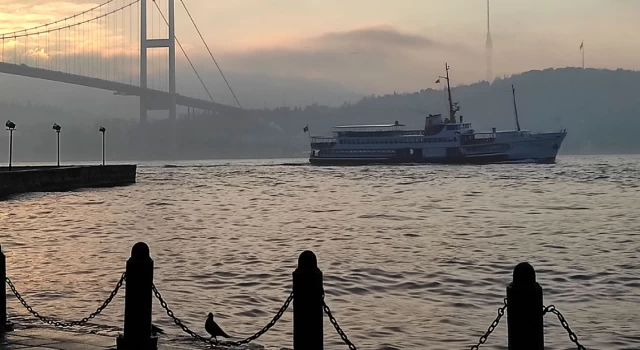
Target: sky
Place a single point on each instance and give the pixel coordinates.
(376, 47)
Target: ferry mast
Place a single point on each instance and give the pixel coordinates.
(453, 107)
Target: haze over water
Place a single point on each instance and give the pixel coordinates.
(414, 257)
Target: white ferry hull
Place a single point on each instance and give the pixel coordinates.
(507, 147)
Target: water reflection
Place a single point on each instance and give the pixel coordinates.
(413, 256)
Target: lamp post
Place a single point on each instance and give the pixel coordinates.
(103, 130)
(11, 126)
(57, 128)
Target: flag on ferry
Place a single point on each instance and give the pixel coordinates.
(582, 45)
(438, 81)
(306, 128)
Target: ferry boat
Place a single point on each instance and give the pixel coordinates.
(443, 140)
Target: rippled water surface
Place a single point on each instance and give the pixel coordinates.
(414, 257)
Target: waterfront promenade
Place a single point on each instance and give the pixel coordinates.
(36, 337)
(523, 303)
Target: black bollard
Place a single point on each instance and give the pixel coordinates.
(307, 304)
(524, 310)
(137, 302)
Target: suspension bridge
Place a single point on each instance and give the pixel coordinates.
(124, 46)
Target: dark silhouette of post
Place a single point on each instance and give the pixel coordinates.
(11, 126)
(307, 304)
(137, 303)
(524, 310)
(57, 128)
(10, 147)
(103, 130)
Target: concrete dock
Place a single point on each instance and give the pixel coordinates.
(52, 179)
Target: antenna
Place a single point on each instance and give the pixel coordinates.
(515, 107)
(453, 107)
(489, 46)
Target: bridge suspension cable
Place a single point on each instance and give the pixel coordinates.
(25, 34)
(60, 20)
(210, 54)
(93, 43)
(185, 54)
(97, 48)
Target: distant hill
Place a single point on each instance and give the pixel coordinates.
(600, 109)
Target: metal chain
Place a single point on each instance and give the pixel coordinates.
(335, 324)
(492, 327)
(195, 335)
(62, 323)
(565, 325)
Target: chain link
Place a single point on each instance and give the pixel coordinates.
(492, 327)
(195, 335)
(574, 338)
(335, 324)
(62, 323)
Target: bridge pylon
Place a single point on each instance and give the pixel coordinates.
(146, 103)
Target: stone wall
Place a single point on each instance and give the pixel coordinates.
(51, 179)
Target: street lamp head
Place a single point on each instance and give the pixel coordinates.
(10, 125)
(103, 129)
(57, 127)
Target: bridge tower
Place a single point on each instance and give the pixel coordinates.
(147, 104)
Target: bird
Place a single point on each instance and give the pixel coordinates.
(156, 330)
(213, 329)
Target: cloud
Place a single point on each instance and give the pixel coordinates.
(31, 13)
(381, 36)
(367, 60)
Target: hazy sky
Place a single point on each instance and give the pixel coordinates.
(374, 46)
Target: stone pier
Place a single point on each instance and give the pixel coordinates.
(52, 179)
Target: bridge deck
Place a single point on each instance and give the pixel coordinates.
(156, 99)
